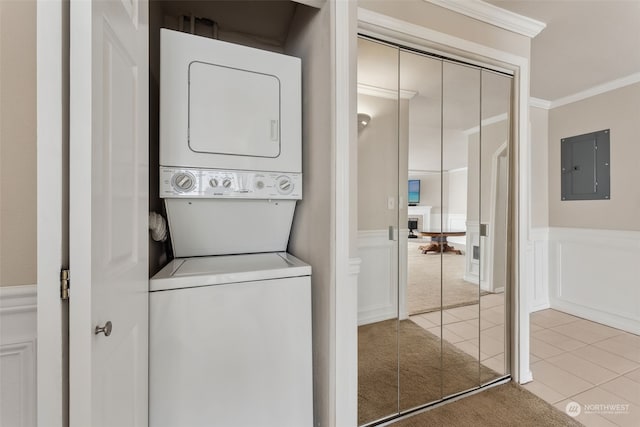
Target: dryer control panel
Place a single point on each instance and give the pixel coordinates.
(229, 184)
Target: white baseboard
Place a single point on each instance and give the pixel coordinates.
(18, 355)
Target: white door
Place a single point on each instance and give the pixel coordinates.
(108, 212)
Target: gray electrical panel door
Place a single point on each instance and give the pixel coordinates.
(586, 167)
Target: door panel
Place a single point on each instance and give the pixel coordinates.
(108, 213)
(419, 343)
(378, 292)
(460, 213)
(434, 122)
(494, 200)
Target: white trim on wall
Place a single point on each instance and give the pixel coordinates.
(539, 249)
(594, 274)
(413, 35)
(587, 93)
(52, 195)
(347, 349)
(539, 103)
(18, 355)
(382, 92)
(486, 122)
(343, 359)
(378, 291)
(494, 15)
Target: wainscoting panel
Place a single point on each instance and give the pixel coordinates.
(595, 274)
(18, 356)
(378, 278)
(538, 256)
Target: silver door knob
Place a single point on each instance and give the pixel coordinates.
(106, 329)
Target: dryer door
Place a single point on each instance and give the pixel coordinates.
(233, 111)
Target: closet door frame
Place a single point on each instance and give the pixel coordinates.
(396, 31)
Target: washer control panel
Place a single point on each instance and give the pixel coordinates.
(218, 183)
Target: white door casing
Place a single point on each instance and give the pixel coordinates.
(108, 212)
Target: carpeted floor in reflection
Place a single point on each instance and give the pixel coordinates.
(503, 405)
(423, 280)
(428, 369)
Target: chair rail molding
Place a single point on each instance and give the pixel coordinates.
(18, 355)
(493, 15)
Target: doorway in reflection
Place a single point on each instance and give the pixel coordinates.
(433, 229)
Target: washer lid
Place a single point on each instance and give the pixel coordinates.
(225, 269)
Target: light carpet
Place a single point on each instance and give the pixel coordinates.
(423, 280)
(503, 405)
(401, 366)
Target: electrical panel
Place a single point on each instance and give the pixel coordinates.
(585, 163)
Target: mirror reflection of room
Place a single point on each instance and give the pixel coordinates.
(433, 194)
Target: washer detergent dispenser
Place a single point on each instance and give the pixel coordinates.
(219, 212)
(230, 145)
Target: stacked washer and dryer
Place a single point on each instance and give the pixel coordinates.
(230, 315)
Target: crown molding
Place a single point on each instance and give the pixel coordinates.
(493, 15)
(423, 172)
(486, 122)
(539, 103)
(382, 92)
(597, 90)
(585, 94)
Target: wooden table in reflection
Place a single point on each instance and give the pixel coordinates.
(439, 241)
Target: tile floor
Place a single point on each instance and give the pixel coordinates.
(572, 359)
(461, 328)
(576, 360)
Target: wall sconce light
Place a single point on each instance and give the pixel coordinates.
(363, 120)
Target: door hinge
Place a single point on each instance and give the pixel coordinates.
(64, 284)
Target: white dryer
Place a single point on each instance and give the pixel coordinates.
(230, 145)
(226, 106)
(231, 342)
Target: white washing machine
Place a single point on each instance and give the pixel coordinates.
(230, 323)
(230, 342)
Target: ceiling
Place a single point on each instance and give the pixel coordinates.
(586, 43)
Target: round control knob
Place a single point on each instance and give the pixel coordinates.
(183, 181)
(259, 182)
(285, 186)
(213, 182)
(226, 183)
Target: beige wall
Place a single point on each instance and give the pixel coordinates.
(378, 166)
(618, 110)
(539, 119)
(311, 238)
(18, 142)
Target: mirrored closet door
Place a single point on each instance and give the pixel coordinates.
(433, 235)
